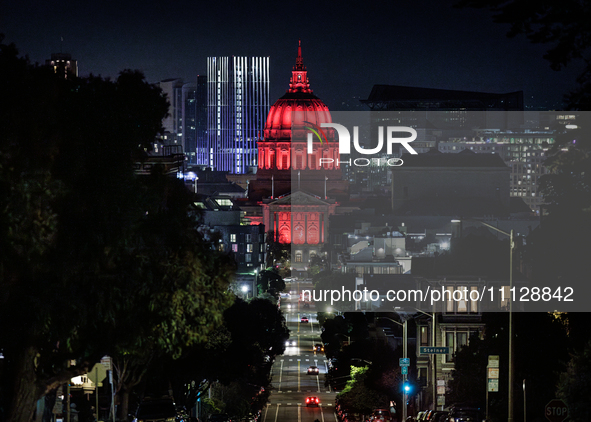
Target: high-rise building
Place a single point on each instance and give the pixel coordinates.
(189, 115)
(202, 156)
(173, 123)
(237, 106)
(63, 64)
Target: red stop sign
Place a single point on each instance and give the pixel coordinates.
(556, 411)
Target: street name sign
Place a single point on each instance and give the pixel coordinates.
(556, 411)
(428, 350)
(493, 361)
(493, 373)
(404, 362)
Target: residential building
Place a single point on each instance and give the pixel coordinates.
(63, 65)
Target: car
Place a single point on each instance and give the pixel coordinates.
(156, 410)
(318, 347)
(313, 370)
(465, 414)
(285, 296)
(304, 319)
(291, 342)
(381, 415)
(312, 401)
(439, 416)
(219, 417)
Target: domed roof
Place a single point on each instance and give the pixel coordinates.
(298, 98)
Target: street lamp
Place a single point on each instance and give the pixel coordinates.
(405, 356)
(195, 183)
(511, 368)
(244, 290)
(348, 337)
(432, 357)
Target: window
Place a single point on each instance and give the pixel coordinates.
(424, 336)
(462, 340)
(463, 303)
(248, 257)
(298, 256)
(449, 342)
(450, 300)
(249, 247)
(473, 301)
(233, 238)
(234, 247)
(248, 238)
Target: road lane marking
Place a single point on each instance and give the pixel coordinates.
(280, 374)
(299, 376)
(322, 414)
(277, 412)
(318, 382)
(299, 413)
(266, 410)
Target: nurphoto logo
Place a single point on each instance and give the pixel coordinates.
(345, 143)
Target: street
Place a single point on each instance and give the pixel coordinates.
(290, 380)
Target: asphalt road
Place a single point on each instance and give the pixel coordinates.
(291, 384)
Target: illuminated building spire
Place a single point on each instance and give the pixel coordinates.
(299, 60)
(299, 76)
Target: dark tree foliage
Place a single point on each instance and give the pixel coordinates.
(276, 252)
(539, 355)
(563, 26)
(95, 260)
(242, 350)
(575, 385)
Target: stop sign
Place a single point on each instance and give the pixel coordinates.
(556, 411)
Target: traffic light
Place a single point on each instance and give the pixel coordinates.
(406, 387)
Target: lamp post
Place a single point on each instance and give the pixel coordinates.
(404, 355)
(511, 366)
(524, 404)
(195, 183)
(348, 337)
(433, 358)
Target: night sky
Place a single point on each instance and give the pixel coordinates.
(347, 46)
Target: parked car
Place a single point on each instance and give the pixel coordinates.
(440, 416)
(465, 413)
(379, 415)
(219, 417)
(156, 410)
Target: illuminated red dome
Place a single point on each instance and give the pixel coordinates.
(298, 98)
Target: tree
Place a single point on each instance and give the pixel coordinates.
(276, 251)
(359, 395)
(241, 351)
(271, 282)
(563, 26)
(574, 386)
(96, 260)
